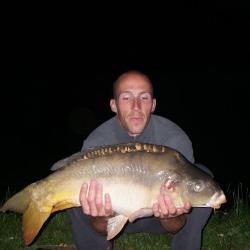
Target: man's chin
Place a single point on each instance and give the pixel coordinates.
(136, 131)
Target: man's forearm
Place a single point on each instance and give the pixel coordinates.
(173, 225)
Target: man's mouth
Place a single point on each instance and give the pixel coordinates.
(136, 118)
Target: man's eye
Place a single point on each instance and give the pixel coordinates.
(125, 98)
(145, 97)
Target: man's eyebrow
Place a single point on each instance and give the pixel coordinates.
(131, 92)
(126, 91)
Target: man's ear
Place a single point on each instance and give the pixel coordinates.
(113, 105)
(153, 106)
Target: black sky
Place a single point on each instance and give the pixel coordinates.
(57, 81)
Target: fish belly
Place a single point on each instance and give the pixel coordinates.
(128, 196)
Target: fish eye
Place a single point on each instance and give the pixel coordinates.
(198, 186)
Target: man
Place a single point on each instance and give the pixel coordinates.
(134, 104)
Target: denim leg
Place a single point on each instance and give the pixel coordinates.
(190, 236)
(84, 236)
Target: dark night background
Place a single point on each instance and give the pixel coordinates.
(57, 80)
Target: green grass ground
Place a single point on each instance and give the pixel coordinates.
(225, 230)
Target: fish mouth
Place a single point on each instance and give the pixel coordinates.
(216, 200)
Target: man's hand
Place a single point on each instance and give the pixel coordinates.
(91, 200)
(172, 218)
(164, 208)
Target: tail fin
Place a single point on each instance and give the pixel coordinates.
(34, 215)
(33, 219)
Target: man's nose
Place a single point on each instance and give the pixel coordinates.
(136, 103)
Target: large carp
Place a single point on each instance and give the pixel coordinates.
(131, 173)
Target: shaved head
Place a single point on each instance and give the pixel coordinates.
(126, 76)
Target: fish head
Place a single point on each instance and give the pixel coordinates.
(194, 186)
(203, 192)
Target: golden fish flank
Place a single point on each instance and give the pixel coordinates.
(131, 173)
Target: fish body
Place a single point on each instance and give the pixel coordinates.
(131, 173)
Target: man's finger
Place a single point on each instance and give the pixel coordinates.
(163, 209)
(169, 204)
(156, 210)
(91, 198)
(187, 206)
(108, 205)
(98, 200)
(83, 198)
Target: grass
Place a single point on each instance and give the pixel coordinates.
(227, 229)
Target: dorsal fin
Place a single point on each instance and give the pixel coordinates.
(66, 161)
(123, 148)
(109, 150)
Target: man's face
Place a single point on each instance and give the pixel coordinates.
(134, 103)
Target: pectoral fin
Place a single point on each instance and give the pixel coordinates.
(63, 205)
(33, 219)
(115, 225)
(143, 212)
